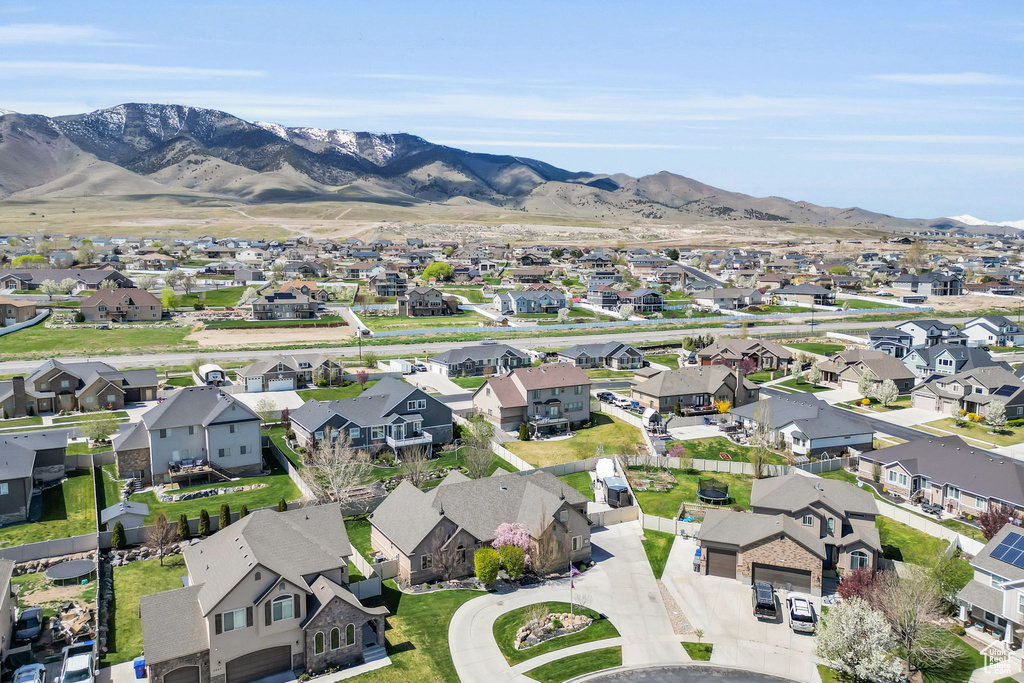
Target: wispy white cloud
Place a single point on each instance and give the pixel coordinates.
(59, 34)
(950, 79)
(913, 139)
(116, 72)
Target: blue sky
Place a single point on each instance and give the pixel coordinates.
(909, 108)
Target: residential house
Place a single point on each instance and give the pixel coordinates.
(426, 301)
(695, 389)
(269, 598)
(434, 533)
(972, 390)
(767, 355)
(948, 359)
(288, 372)
(283, 306)
(993, 330)
(157, 261)
(390, 414)
(801, 530)
(932, 332)
(809, 426)
(305, 269)
(14, 311)
(994, 597)
(530, 275)
(728, 298)
(388, 283)
(529, 301)
(474, 361)
(602, 277)
(891, 341)
(612, 355)
(194, 424)
(84, 278)
(307, 287)
(57, 386)
(879, 368)
(642, 300)
(122, 305)
(931, 284)
(804, 294)
(604, 297)
(28, 458)
(549, 398)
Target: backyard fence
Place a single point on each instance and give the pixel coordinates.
(28, 323)
(293, 473)
(56, 547)
(367, 588)
(904, 516)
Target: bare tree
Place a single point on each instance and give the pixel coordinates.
(99, 429)
(444, 554)
(912, 604)
(333, 466)
(762, 437)
(173, 278)
(547, 555)
(479, 458)
(415, 465)
(160, 536)
(188, 283)
(266, 408)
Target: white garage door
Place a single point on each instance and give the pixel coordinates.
(254, 384)
(850, 385)
(280, 384)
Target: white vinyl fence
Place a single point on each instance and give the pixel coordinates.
(47, 549)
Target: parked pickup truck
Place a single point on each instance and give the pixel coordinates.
(763, 598)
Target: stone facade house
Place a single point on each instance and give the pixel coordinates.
(767, 355)
(694, 389)
(434, 533)
(972, 390)
(804, 294)
(288, 372)
(269, 597)
(728, 297)
(195, 424)
(613, 355)
(122, 305)
(549, 398)
(56, 386)
(949, 359)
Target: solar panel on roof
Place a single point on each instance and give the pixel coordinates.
(1011, 550)
(1005, 390)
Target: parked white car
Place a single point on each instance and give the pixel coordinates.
(801, 614)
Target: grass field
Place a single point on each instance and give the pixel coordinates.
(68, 510)
(579, 481)
(358, 529)
(669, 359)
(709, 449)
(225, 296)
(469, 382)
(980, 432)
(614, 435)
(263, 324)
(666, 503)
(88, 417)
(131, 582)
(15, 422)
(802, 385)
(657, 545)
(183, 381)
(821, 348)
(960, 669)
(474, 295)
(506, 625)
(860, 304)
(574, 666)
(331, 393)
(905, 544)
(38, 340)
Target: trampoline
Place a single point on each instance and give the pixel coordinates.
(712, 491)
(71, 572)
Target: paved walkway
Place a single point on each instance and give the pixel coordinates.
(620, 586)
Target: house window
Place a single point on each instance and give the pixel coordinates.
(234, 620)
(831, 524)
(376, 433)
(350, 634)
(283, 607)
(223, 452)
(191, 430)
(858, 559)
(231, 429)
(64, 383)
(578, 390)
(354, 432)
(418, 404)
(5, 488)
(335, 638)
(563, 516)
(535, 393)
(318, 643)
(997, 581)
(164, 433)
(426, 562)
(110, 398)
(1020, 603)
(577, 543)
(808, 520)
(258, 576)
(90, 399)
(243, 450)
(460, 555)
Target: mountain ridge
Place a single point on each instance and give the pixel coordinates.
(141, 149)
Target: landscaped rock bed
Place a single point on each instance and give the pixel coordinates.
(204, 493)
(551, 626)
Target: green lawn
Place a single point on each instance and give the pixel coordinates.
(710, 447)
(41, 340)
(666, 503)
(960, 669)
(417, 636)
(699, 652)
(474, 295)
(279, 486)
(781, 309)
(905, 544)
(802, 385)
(260, 324)
(21, 422)
(669, 359)
(507, 624)
(183, 381)
(224, 296)
(469, 382)
(131, 582)
(396, 322)
(980, 432)
(358, 529)
(821, 348)
(576, 665)
(332, 393)
(616, 436)
(579, 481)
(657, 545)
(109, 490)
(764, 375)
(899, 404)
(860, 304)
(80, 447)
(68, 510)
(277, 436)
(608, 373)
(830, 675)
(87, 417)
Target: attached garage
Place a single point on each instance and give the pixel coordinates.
(259, 664)
(796, 580)
(849, 385)
(722, 563)
(254, 385)
(924, 401)
(184, 674)
(281, 384)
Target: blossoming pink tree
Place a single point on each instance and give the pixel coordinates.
(513, 534)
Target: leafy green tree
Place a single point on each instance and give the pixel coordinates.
(952, 574)
(524, 431)
(282, 505)
(486, 563)
(168, 298)
(117, 538)
(29, 261)
(672, 254)
(225, 515)
(513, 559)
(439, 271)
(243, 511)
(184, 532)
(204, 522)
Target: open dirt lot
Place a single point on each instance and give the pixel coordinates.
(279, 336)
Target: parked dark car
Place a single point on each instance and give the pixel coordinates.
(762, 595)
(605, 396)
(932, 509)
(29, 625)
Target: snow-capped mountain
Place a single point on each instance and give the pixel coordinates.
(971, 220)
(198, 155)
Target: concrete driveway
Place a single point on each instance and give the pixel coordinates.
(721, 607)
(620, 586)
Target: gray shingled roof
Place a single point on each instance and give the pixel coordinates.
(690, 380)
(980, 595)
(18, 451)
(984, 559)
(195, 406)
(742, 529)
(172, 624)
(409, 514)
(794, 492)
(369, 408)
(479, 351)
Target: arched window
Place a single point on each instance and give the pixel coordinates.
(318, 643)
(283, 608)
(858, 559)
(350, 634)
(258, 576)
(335, 638)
